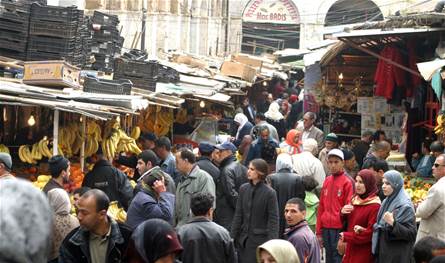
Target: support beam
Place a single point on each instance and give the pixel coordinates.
(56, 133)
(372, 53)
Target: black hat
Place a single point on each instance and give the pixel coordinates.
(57, 164)
(206, 147)
(348, 154)
(149, 136)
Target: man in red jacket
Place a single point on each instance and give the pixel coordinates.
(336, 192)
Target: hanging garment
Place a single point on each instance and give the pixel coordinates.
(388, 76)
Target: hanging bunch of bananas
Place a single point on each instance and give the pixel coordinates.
(37, 151)
(93, 134)
(4, 149)
(115, 140)
(117, 213)
(67, 137)
(164, 121)
(147, 119)
(440, 127)
(181, 116)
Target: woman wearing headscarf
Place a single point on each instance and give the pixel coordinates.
(286, 184)
(256, 213)
(244, 128)
(63, 221)
(277, 250)
(395, 229)
(293, 144)
(153, 241)
(275, 118)
(360, 216)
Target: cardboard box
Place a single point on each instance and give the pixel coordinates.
(56, 73)
(245, 59)
(238, 70)
(189, 60)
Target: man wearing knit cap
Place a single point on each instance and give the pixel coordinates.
(336, 192)
(204, 160)
(59, 168)
(331, 142)
(5, 166)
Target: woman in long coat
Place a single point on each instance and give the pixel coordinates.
(256, 213)
(395, 229)
(365, 205)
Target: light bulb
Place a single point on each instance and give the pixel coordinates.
(31, 121)
(5, 116)
(202, 104)
(264, 83)
(340, 77)
(81, 119)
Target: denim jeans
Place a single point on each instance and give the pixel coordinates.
(330, 240)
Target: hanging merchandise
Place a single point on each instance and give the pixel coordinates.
(387, 76)
(115, 140)
(436, 84)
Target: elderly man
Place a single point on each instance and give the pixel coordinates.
(306, 164)
(432, 209)
(194, 180)
(310, 131)
(379, 151)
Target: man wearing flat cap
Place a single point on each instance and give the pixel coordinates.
(59, 168)
(205, 161)
(5, 166)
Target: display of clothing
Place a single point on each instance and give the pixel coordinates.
(388, 76)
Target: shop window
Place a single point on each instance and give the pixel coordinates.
(344, 12)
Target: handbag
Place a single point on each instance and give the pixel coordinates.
(341, 247)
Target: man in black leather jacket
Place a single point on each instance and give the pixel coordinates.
(233, 175)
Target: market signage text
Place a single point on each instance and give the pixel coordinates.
(272, 11)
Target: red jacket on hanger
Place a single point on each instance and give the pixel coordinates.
(387, 76)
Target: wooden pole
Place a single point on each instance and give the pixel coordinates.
(354, 45)
(56, 132)
(82, 147)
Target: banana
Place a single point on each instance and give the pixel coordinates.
(136, 132)
(21, 156)
(45, 149)
(4, 148)
(27, 155)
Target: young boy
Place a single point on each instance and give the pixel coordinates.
(311, 201)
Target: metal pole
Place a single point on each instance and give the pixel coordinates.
(226, 43)
(144, 19)
(56, 132)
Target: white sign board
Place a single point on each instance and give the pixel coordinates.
(271, 11)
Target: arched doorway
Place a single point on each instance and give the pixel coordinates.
(270, 25)
(344, 12)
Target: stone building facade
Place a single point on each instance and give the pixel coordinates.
(219, 27)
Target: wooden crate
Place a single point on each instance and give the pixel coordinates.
(235, 69)
(54, 73)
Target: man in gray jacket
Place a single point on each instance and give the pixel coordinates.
(193, 180)
(203, 239)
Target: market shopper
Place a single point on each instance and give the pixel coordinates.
(203, 239)
(63, 221)
(425, 247)
(423, 163)
(331, 142)
(244, 128)
(25, 222)
(110, 180)
(99, 238)
(233, 175)
(248, 110)
(263, 147)
(350, 163)
(306, 164)
(299, 233)
(276, 119)
(293, 144)
(379, 151)
(336, 192)
(277, 251)
(5, 166)
(77, 193)
(168, 162)
(59, 168)
(311, 201)
(437, 148)
(360, 216)
(205, 161)
(256, 214)
(152, 201)
(379, 168)
(395, 229)
(310, 131)
(431, 211)
(147, 160)
(260, 120)
(286, 184)
(361, 148)
(194, 180)
(153, 241)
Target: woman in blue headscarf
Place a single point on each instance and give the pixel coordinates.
(395, 229)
